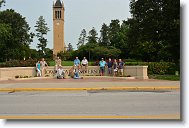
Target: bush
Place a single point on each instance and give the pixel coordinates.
(19, 63)
(160, 68)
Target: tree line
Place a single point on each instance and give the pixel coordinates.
(151, 34)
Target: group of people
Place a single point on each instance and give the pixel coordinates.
(115, 67)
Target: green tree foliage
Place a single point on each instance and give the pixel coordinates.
(151, 34)
(95, 52)
(70, 47)
(82, 38)
(157, 21)
(5, 34)
(92, 38)
(2, 2)
(15, 36)
(114, 30)
(42, 30)
(104, 38)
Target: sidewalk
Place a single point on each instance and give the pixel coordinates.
(88, 83)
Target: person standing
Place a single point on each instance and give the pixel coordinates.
(43, 66)
(110, 64)
(120, 67)
(115, 67)
(38, 69)
(102, 64)
(58, 63)
(84, 64)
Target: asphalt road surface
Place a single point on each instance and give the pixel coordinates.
(97, 104)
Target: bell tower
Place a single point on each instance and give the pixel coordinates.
(58, 27)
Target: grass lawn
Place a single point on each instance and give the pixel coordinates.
(165, 77)
(65, 63)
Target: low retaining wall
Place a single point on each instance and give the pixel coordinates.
(139, 72)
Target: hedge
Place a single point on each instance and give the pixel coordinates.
(19, 63)
(160, 68)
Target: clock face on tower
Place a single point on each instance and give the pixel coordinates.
(57, 23)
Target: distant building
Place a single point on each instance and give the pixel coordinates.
(58, 27)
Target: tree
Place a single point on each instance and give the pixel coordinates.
(82, 38)
(92, 38)
(157, 21)
(5, 34)
(2, 2)
(104, 39)
(42, 30)
(17, 29)
(70, 47)
(114, 29)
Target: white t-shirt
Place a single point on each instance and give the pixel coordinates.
(84, 61)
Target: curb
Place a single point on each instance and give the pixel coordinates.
(165, 88)
(171, 116)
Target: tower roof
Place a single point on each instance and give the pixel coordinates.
(58, 3)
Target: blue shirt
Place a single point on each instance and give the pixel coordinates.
(120, 65)
(102, 63)
(38, 66)
(76, 62)
(110, 64)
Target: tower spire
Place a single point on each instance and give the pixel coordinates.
(58, 3)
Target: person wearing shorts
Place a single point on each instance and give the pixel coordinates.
(102, 64)
(60, 73)
(58, 63)
(84, 64)
(120, 67)
(43, 66)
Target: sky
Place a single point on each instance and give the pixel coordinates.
(79, 15)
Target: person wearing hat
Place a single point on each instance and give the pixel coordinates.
(102, 65)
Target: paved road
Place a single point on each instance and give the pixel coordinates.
(88, 82)
(137, 105)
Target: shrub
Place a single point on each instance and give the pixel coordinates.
(19, 63)
(160, 68)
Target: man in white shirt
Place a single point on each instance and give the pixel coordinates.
(60, 73)
(84, 64)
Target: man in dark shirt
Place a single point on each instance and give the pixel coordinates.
(120, 67)
(110, 64)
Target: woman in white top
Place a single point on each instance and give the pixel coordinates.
(43, 66)
(84, 64)
(58, 62)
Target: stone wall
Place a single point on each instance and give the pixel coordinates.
(139, 72)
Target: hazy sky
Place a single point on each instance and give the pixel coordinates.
(79, 14)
